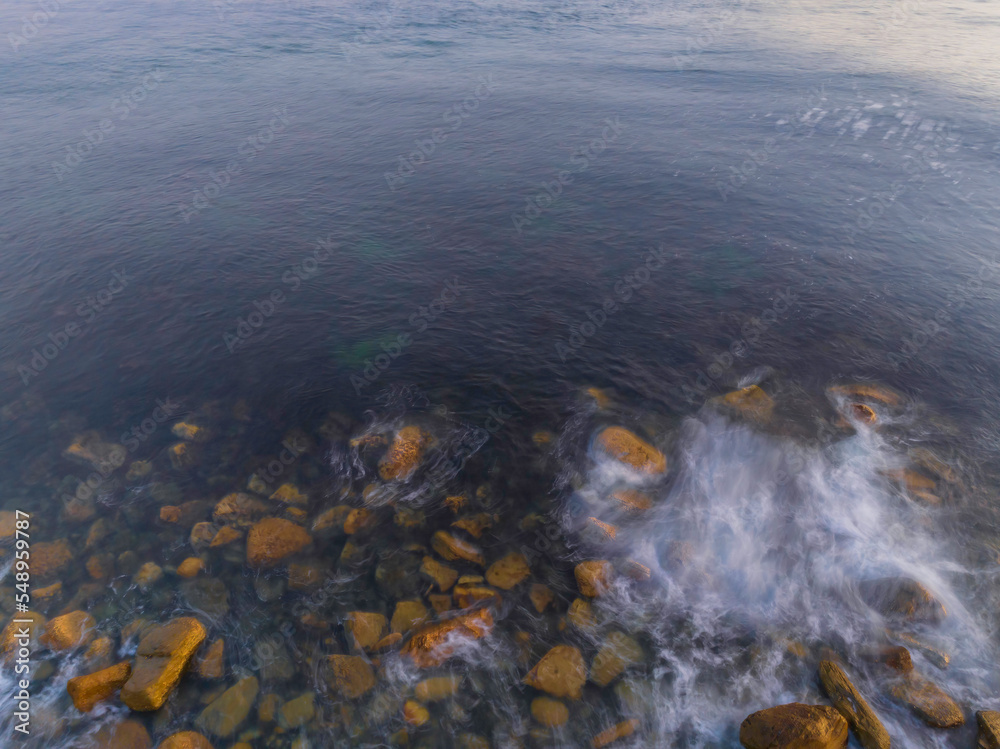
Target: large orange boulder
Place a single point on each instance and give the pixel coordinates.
(794, 726)
(160, 660)
(630, 449)
(272, 540)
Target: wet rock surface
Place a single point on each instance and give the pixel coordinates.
(795, 726)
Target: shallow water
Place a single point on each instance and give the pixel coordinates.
(797, 194)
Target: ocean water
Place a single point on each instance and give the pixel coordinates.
(462, 216)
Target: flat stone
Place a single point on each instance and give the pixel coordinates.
(549, 712)
(87, 691)
(471, 594)
(989, 729)
(618, 652)
(508, 571)
(795, 726)
(475, 525)
(581, 614)
(561, 673)
(225, 536)
(434, 644)
(437, 688)
(274, 539)
(858, 713)
(628, 448)
(451, 548)
(225, 714)
(161, 658)
(297, 712)
(441, 574)
(351, 676)
(49, 558)
(928, 701)
(291, 495)
(408, 614)
(358, 520)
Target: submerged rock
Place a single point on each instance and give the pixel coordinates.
(129, 734)
(631, 501)
(211, 664)
(549, 712)
(451, 549)
(408, 614)
(618, 652)
(902, 597)
(628, 448)
(989, 729)
(89, 449)
(750, 402)
(794, 726)
(365, 628)
(561, 673)
(928, 701)
(185, 740)
(541, 596)
(87, 691)
(594, 577)
(620, 731)
(404, 454)
(49, 558)
(68, 631)
(442, 575)
(507, 572)
(272, 540)
(161, 658)
(437, 688)
(239, 510)
(351, 676)
(225, 714)
(849, 702)
(434, 644)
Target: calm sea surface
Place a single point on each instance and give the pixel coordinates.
(463, 215)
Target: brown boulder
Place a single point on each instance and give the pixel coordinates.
(902, 597)
(69, 631)
(794, 726)
(452, 548)
(989, 729)
(442, 575)
(549, 712)
(87, 691)
(618, 652)
(160, 659)
(224, 714)
(628, 448)
(272, 540)
(185, 740)
(50, 558)
(561, 672)
(750, 402)
(609, 736)
(365, 628)
(928, 701)
(594, 577)
(859, 715)
(129, 734)
(239, 510)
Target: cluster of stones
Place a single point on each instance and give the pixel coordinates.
(442, 598)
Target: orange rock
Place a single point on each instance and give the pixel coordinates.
(415, 714)
(628, 448)
(387, 642)
(863, 413)
(750, 402)
(182, 456)
(404, 454)
(795, 725)
(620, 731)
(225, 536)
(928, 701)
(475, 525)
(618, 652)
(90, 449)
(351, 675)
(594, 577)
(239, 510)
(637, 571)
(161, 658)
(100, 566)
(212, 664)
(632, 502)
(99, 649)
(452, 548)
(440, 602)
(549, 712)
(600, 398)
(507, 572)
(190, 567)
(48, 592)
(87, 691)
(541, 596)
(542, 437)
(443, 575)
(436, 643)
(437, 688)
(561, 672)
(409, 518)
(50, 558)
(272, 540)
(456, 502)
(304, 576)
(332, 519)
(365, 628)
(581, 614)
(170, 514)
(68, 631)
(185, 740)
(469, 594)
(290, 494)
(188, 432)
(148, 575)
(358, 520)
(408, 614)
(202, 535)
(129, 734)
(871, 392)
(600, 531)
